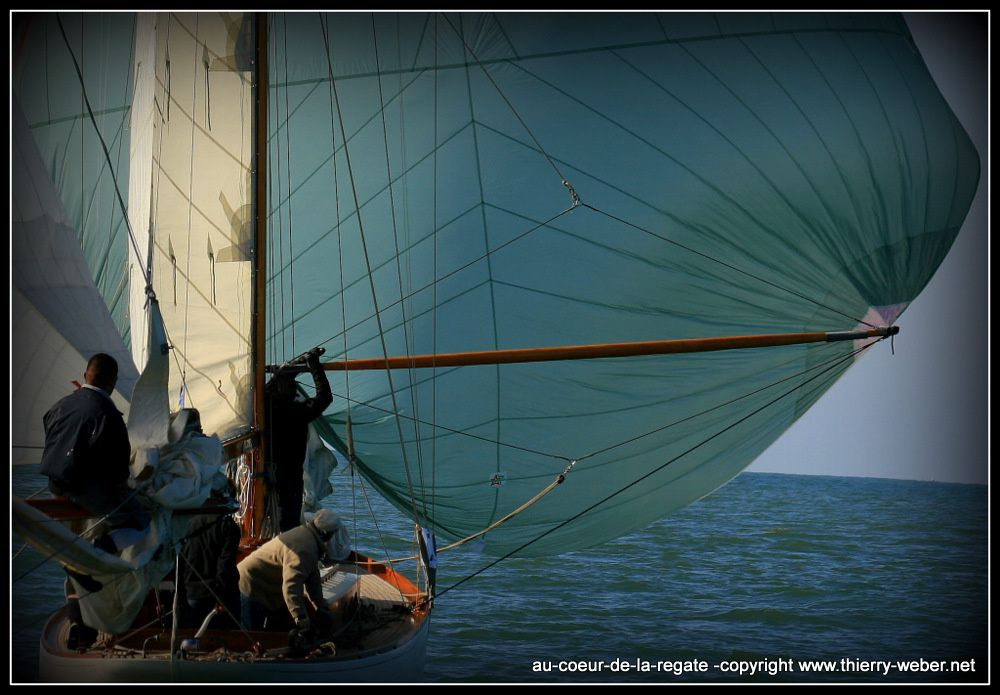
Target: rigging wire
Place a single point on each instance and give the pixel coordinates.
(340, 240)
(463, 433)
(437, 280)
(24, 546)
(111, 224)
(468, 48)
(620, 490)
(708, 410)
(371, 280)
(288, 171)
(271, 289)
(434, 272)
(144, 269)
(371, 510)
(343, 303)
(486, 243)
(190, 208)
(725, 264)
(408, 338)
(573, 462)
(343, 312)
(577, 201)
(182, 552)
(278, 240)
(559, 480)
(104, 147)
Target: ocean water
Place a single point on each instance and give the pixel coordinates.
(765, 580)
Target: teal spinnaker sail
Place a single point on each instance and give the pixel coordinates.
(456, 182)
(737, 174)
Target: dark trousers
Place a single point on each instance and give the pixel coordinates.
(257, 617)
(289, 497)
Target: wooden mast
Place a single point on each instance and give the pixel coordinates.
(257, 505)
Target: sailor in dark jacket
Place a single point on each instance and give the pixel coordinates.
(208, 569)
(86, 458)
(87, 450)
(288, 421)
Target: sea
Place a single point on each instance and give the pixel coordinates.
(772, 578)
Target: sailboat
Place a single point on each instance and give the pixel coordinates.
(572, 272)
(203, 324)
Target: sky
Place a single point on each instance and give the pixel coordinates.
(921, 413)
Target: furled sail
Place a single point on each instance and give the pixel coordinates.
(736, 174)
(184, 467)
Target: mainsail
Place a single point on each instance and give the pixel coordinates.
(197, 221)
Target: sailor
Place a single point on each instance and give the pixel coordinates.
(208, 568)
(86, 459)
(289, 420)
(87, 450)
(280, 581)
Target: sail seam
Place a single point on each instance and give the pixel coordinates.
(560, 525)
(885, 117)
(104, 147)
(728, 265)
(716, 407)
(405, 323)
(503, 96)
(288, 167)
(462, 433)
(459, 269)
(371, 280)
(486, 237)
(686, 168)
(601, 49)
(190, 206)
(923, 137)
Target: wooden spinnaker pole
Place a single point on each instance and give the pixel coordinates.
(586, 352)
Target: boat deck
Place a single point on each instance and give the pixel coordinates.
(382, 616)
(374, 605)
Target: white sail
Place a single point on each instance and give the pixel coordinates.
(200, 213)
(141, 130)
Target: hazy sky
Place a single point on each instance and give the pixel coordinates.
(922, 413)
